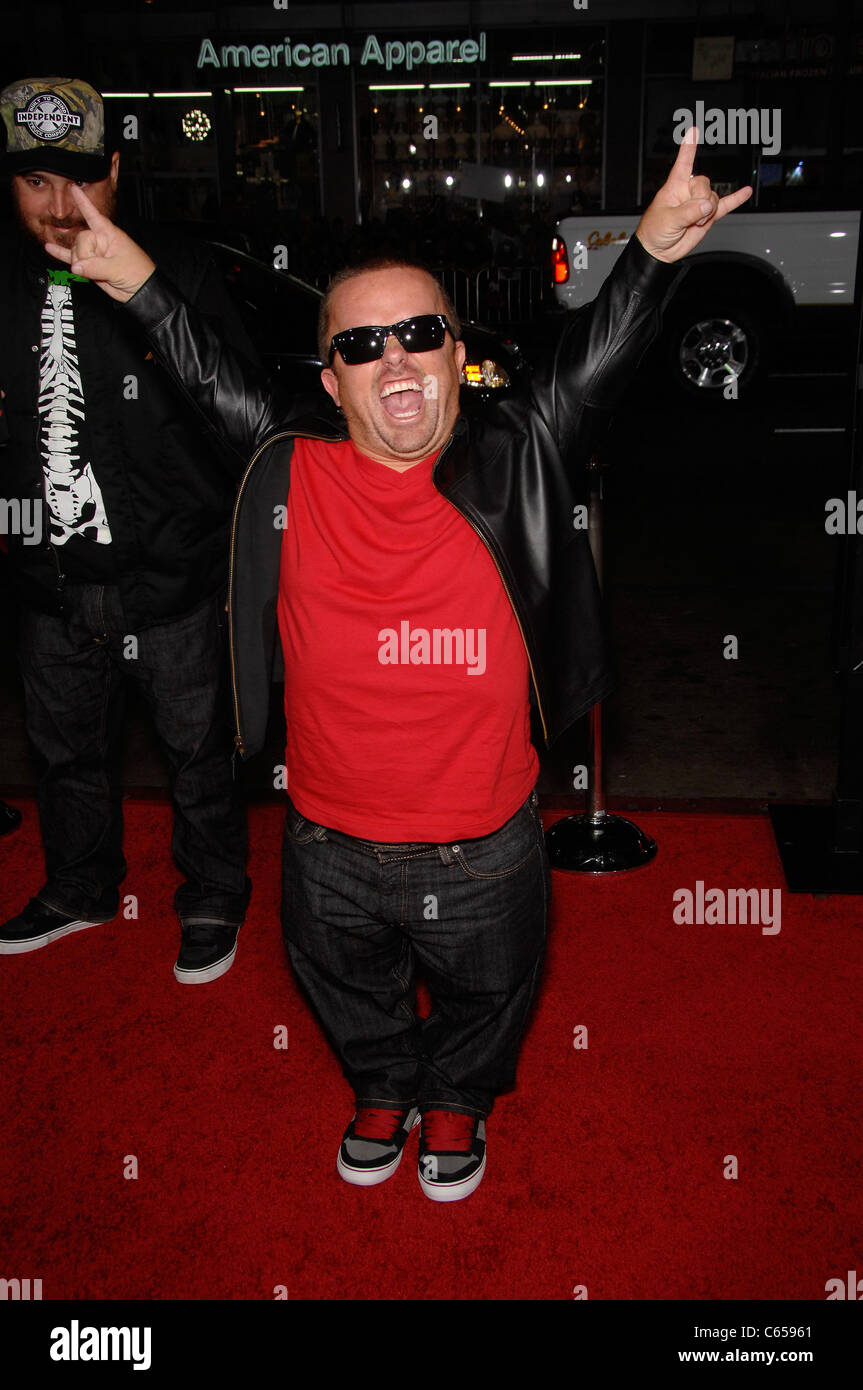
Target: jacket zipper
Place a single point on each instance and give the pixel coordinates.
(509, 596)
(61, 578)
(239, 741)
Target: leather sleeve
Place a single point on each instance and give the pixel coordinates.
(234, 397)
(598, 352)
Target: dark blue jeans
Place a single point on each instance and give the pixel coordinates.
(74, 670)
(358, 917)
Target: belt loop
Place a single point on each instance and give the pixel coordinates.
(444, 852)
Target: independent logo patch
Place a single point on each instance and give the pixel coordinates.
(47, 117)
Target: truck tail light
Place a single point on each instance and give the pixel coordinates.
(559, 262)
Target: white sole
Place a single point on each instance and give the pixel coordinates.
(370, 1177)
(203, 977)
(19, 948)
(452, 1192)
(367, 1177)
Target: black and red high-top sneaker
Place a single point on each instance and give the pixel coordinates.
(452, 1154)
(371, 1149)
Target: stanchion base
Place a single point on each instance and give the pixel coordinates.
(598, 845)
(812, 864)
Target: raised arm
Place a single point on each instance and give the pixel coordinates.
(601, 346)
(232, 397)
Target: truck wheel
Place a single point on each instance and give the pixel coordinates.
(709, 341)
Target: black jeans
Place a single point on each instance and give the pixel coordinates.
(74, 670)
(357, 917)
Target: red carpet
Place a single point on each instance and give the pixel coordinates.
(605, 1164)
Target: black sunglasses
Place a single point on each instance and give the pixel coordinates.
(420, 334)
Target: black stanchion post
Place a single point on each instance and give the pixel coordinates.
(597, 843)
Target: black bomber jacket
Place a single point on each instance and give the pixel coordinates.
(509, 469)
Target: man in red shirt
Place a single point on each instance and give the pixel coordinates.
(425, 575)
(408, 718)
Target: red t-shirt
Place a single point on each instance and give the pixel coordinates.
(406, 677)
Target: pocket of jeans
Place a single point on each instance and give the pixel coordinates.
(297, 828)
(503, 852)
(533, 807)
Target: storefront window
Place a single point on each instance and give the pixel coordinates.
(277, 147)
(245, 156)
(852, 125)
(179, 155)
(515, 138)
(790, 75)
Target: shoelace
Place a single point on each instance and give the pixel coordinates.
(377, 1124)
(447, 1129)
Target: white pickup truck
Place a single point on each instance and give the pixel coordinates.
(742, 292)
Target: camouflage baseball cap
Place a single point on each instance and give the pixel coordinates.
(56, 124)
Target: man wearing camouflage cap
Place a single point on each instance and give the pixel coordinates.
(125, 577)
(66, 116)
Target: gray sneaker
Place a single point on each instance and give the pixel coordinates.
(372, 1147)
(452, 1154)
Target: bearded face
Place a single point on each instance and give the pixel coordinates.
(46, 210)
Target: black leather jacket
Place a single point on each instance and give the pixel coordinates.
(168, 492)
(508, 469)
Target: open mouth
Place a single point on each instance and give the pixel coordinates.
(402, 400)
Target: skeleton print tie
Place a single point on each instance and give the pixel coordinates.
(75, 506)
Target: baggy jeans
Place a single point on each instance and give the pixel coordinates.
(358, 917)
(74, 670)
